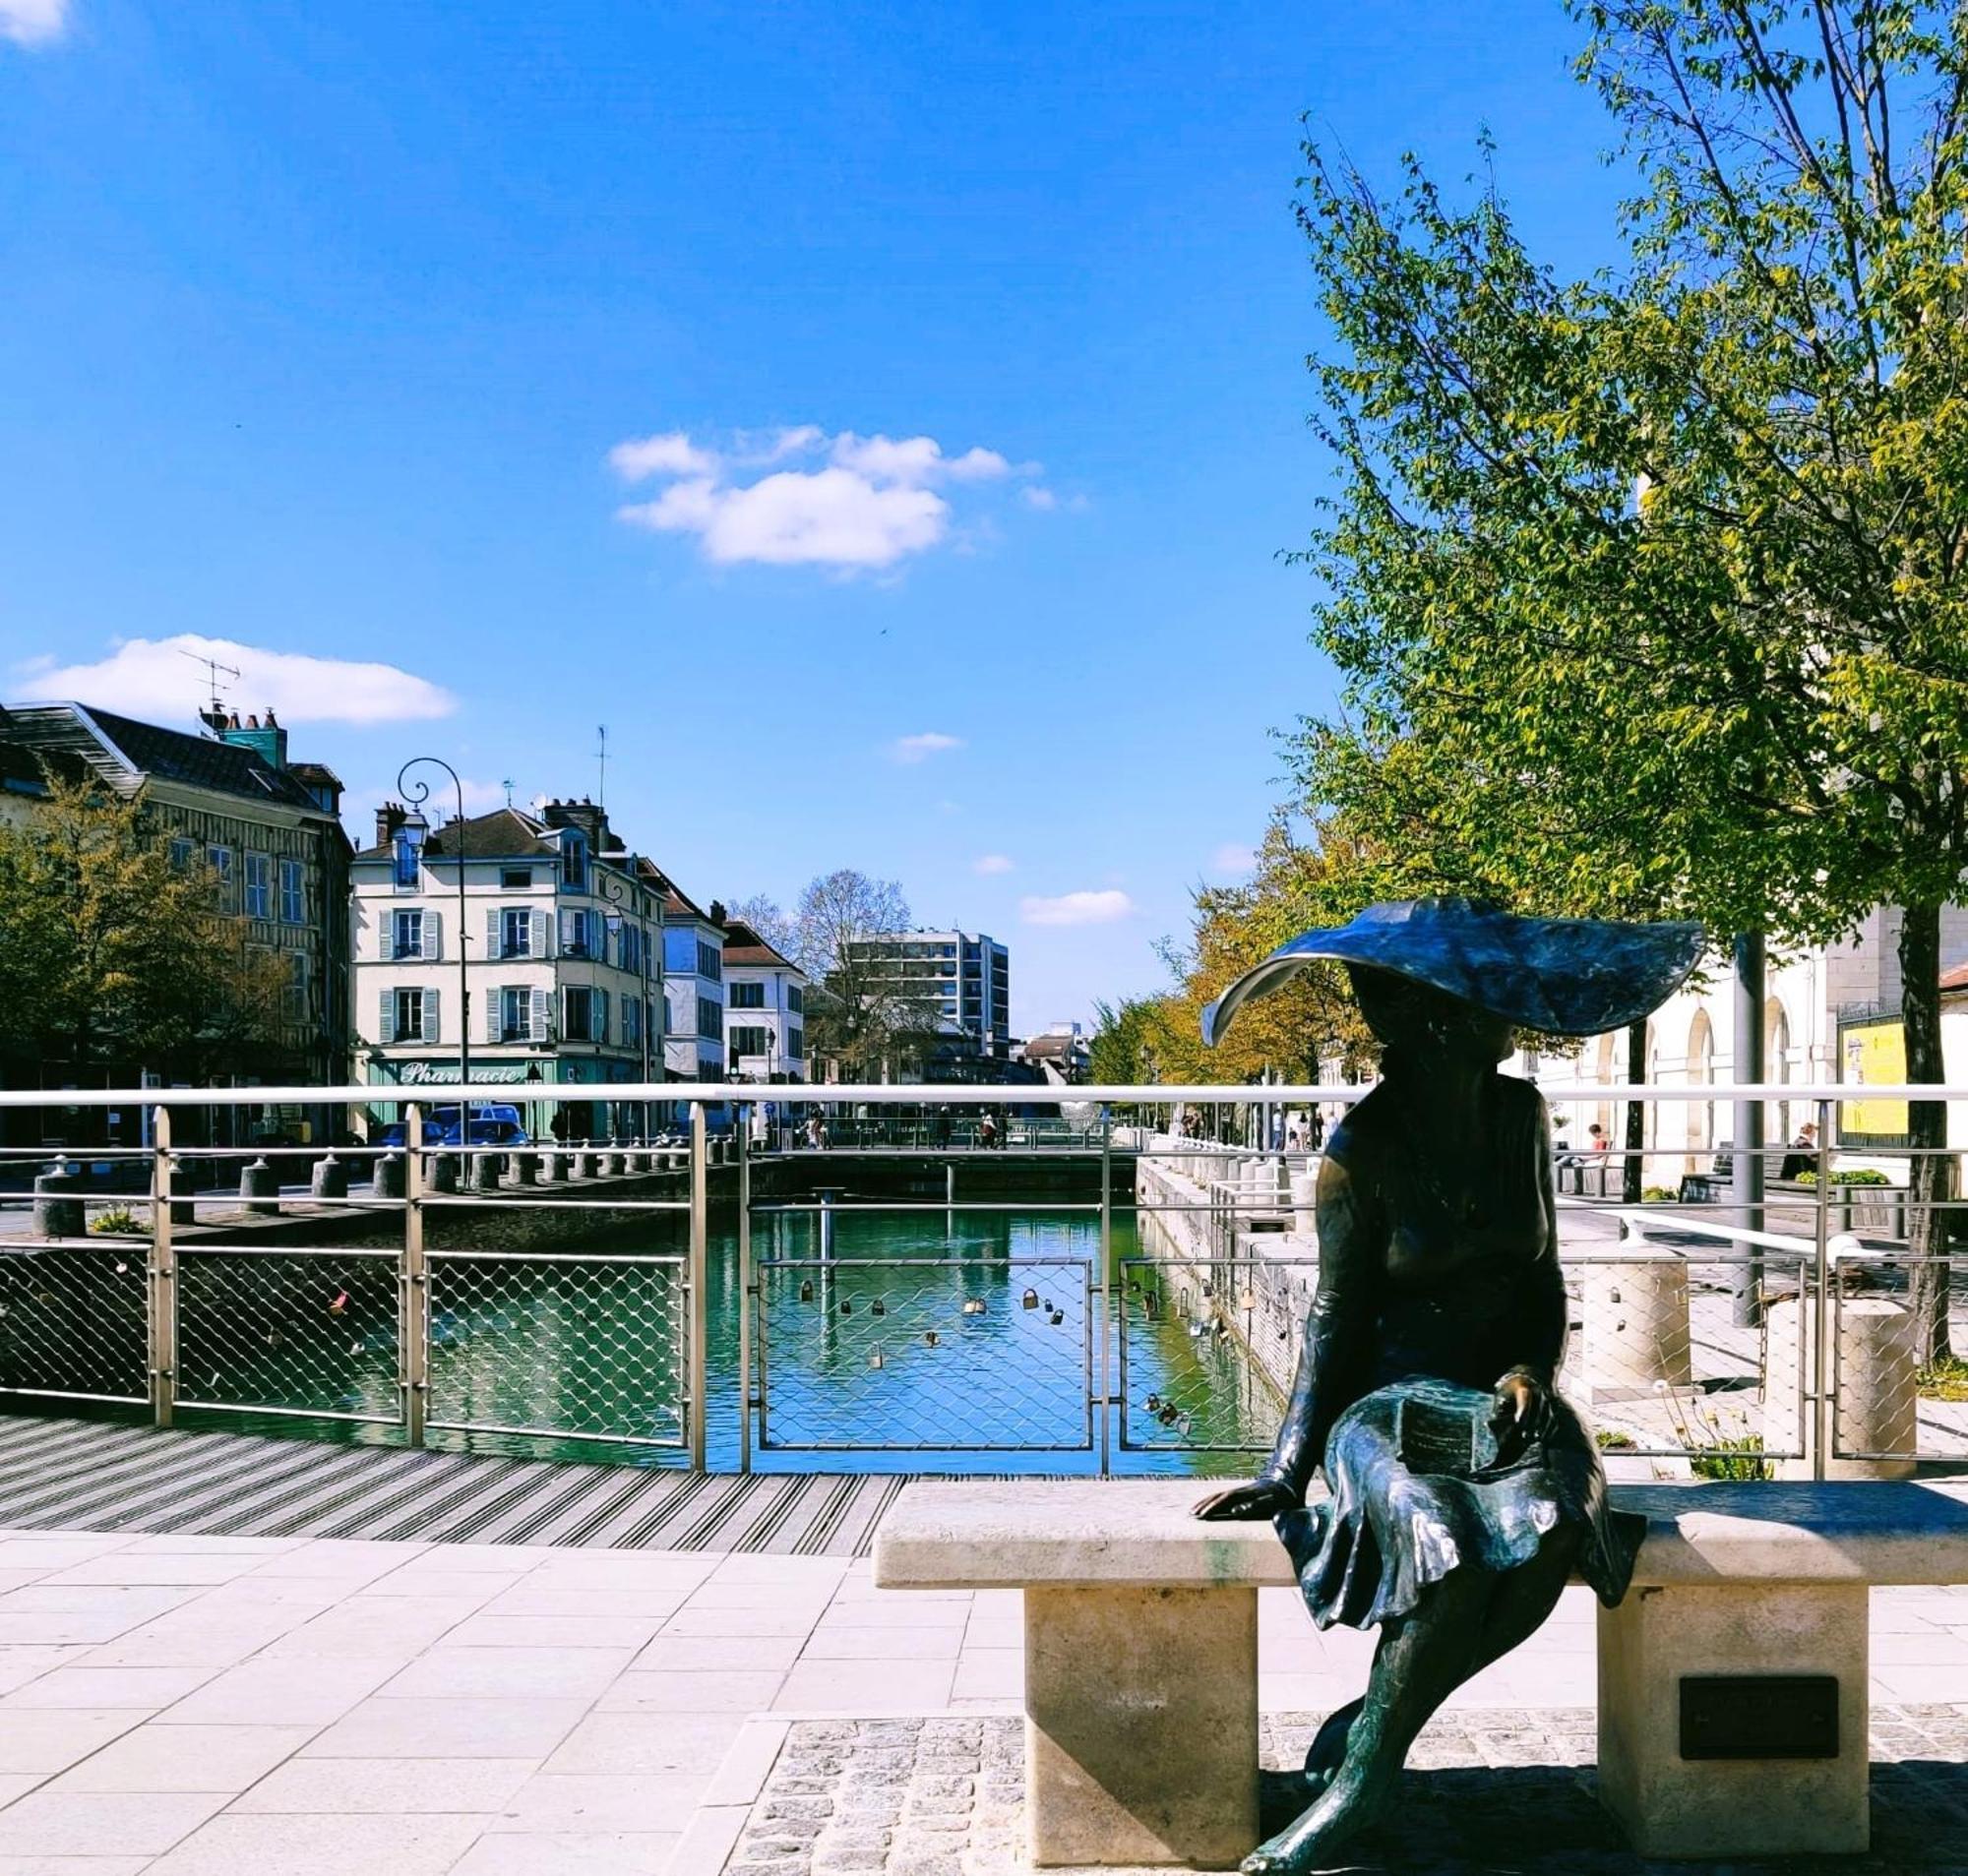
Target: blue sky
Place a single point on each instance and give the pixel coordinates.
(327, 326)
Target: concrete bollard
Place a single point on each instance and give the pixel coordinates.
(330, 1179)
(638, 1160)
(58, 1210)
(553, 1166)
(1875, 1377)
(390, 1176)
(260, 1188)
(1636, 1316)
(613, 1164)
(183, 1211)
(580, 1164)
(485, 1172)
(441, 1174)
(1304, 1204)
(525, 1168)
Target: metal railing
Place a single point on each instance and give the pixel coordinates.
(933, 1295)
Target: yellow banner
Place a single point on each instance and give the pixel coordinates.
(1875, 1053)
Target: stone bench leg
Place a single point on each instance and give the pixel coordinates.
(1141, 1726)
(1671, 1806)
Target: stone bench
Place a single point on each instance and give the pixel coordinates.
(1733, 1679)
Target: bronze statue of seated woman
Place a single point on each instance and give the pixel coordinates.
(1462, 1489)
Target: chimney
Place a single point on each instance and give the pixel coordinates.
(582, 814)
(717, 911)
(267, 740)
(390, 819)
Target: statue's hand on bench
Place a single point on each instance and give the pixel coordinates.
(1262, 1498)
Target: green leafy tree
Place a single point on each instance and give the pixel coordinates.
(111, 956)
(1656, 584)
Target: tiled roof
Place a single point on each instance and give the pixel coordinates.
(1956, 979)
(126, 752)
(743, 945)
(503, 834)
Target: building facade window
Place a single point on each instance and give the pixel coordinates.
(747, 996)
(710, 961)
(181, 852)
(516, 1013)
(409, 1022)
(574, 864)
(796, 1045)
(516, 879)
(584, 1014)
(580, 932)
(220, 860)
(516, 932)
(709, 1019)
(795, 999)
(749, 1039)
(632, 1022)
(259, 886)
(407, 861)
(407, 933)
(628, 948)
(293, 898)
(298, 987)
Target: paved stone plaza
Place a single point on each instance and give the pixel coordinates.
(206, 1706)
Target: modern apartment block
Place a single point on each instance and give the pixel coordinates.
(960, 980)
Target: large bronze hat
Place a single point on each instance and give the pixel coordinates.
(1568, 977)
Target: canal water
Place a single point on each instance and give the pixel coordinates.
(971, 1340)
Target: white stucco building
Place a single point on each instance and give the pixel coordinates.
(561, 939)
(693, 970)
(764, 1008)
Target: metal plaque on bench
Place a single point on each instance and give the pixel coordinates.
(1760, 1716)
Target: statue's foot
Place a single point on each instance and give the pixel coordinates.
(1328, 1752)
(1349, 1803)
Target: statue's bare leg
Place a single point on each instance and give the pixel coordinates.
(1460, 1626)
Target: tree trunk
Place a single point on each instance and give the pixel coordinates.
(1931, 1173)
(1633, 1168)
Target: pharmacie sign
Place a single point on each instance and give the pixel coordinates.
(438, 1075)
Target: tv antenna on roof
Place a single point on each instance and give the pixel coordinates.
(507, 785)
(601, 762)
(211, 670)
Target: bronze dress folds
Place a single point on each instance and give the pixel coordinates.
(1421, 1309)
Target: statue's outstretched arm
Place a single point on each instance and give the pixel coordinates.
(1352, 1254)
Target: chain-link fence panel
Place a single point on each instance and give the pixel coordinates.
(1207, 1349)
(1898, 1379)
(559, 1344)
(1677, 1353)
(74, 1321)
(926, 1355)
(310, 1332)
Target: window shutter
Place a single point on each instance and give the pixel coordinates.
(386, 1018)
(494, 947)
(601, 1015)
(433, 1023)
(433, 936)
(538, 1013)
(570, 932)
(541, 944)
(495, 1016)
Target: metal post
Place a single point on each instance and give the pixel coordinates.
(1107, 1319)
(699, 1248)
(413, 1284)
(747, 1288)
(162, 1276)
(1745, 1166)
(1821, 1312)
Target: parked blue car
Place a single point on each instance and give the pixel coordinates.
(493, 1123)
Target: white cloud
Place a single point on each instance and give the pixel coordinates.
(32, 22)
(987, 864)
(1235, 859)
(914, 749)
(1077, 908)
(153, 678)
(869, 505)
(671, 454)
(1043, 499)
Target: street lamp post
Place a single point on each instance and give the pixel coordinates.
(416, 794)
